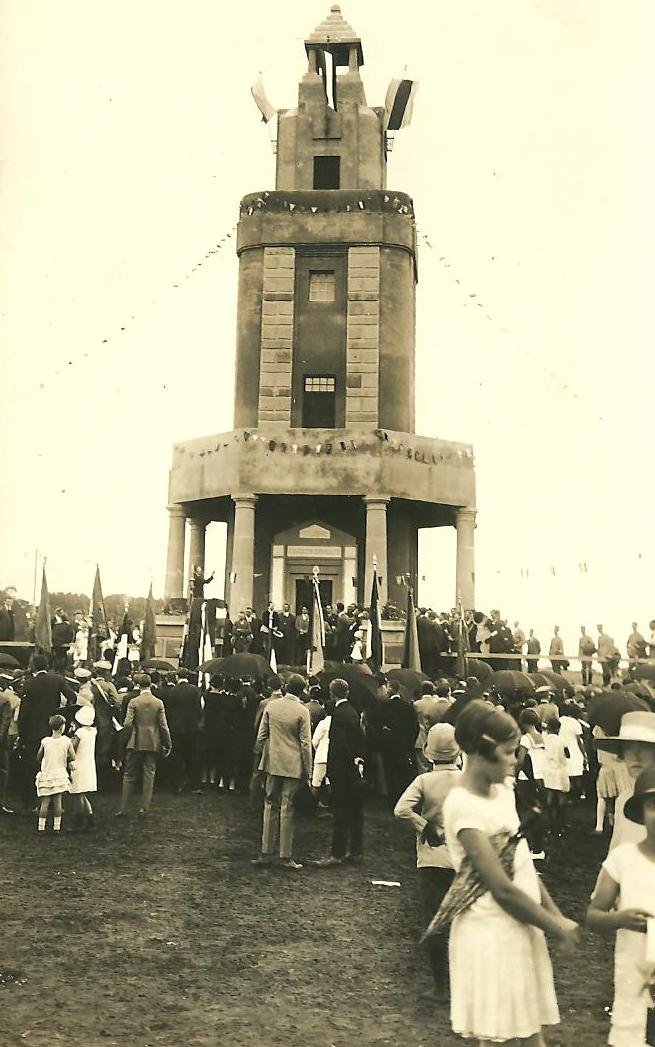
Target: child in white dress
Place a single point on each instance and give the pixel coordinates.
(500, 973)
(624, 901)
(84, 777)
(56, 756)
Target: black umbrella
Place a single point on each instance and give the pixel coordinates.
(511, 682)
(478, 668)
(7, 661)
(606, 709)
(409, 679)
(159, 663)
(362, 684)
(646, 671)
(238, 665)
(558, 682)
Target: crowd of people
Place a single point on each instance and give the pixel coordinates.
(489, 778)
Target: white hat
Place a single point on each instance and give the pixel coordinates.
(86, 715)
(635, 727)
(441, 746)
(102, 665)
(81, 673)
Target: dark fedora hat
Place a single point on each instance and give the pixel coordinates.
(644, 786)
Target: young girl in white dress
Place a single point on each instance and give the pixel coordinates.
(624, 901)
(556, 775)
(56, 756)
(84, 778)
(501, 977)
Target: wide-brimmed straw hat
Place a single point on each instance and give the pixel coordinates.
(644, 786)
(440, 746)
(81, 673)
(635, 727)
(86, 715)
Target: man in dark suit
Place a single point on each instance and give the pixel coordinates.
(184, 712)
(7, 623)
(345, 768)
(286, 649)
(42, 698)
(398, 731)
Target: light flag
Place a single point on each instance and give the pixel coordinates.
(259, 94)
(399, 103)
(315, 657)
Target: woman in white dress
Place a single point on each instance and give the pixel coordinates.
(572, 736)
(501, 978)
(84, 777)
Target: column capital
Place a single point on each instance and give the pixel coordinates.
(248, 501)
(198, 521)
(176, 511)
(377, 499)
(466, 512)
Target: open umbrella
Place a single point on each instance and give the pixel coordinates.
(7, 661)
(478, 668)
(639, 687)
(409, 679)
(646, 671)
(559, 683)
(511, 682)
(238, 665)
(362, 684)
(541, 680)
(159, 663)
(606, 709)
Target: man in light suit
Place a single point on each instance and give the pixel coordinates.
(145, 722)
(284, 748)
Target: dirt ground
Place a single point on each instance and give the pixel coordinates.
(159, 932)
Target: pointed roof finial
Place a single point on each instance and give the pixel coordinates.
(335, 35)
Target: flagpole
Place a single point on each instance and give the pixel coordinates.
(36, 561)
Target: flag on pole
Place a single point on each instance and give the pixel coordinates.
(462, 645)
(399, 103)
(259, 94)
(99, 627)
(42, 626)
(374, 638)
(411, 651)
(149, 636)
(315, 658)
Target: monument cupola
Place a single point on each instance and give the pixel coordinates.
(323, 467)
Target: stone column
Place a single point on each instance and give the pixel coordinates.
(197, 529)
(243, 553)
(174, 586)
(465, 570)
(376, 545)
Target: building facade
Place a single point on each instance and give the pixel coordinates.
(323, 467)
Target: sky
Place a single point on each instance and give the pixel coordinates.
(129, 137)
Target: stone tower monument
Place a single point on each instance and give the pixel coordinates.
(323, 466)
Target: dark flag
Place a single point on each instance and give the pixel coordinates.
(374, 643)
(99, 626)
(42, 626)
(399, 103)
(411, 652)
(149, 636)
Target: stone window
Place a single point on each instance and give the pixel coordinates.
(327, 172)
(319, 401)
(321, 285)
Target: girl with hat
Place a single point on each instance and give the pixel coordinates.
(422, 805)
(635, 745)
(500, 973)
(84, 777)
(624, 901)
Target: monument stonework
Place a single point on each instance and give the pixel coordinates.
(323, 466)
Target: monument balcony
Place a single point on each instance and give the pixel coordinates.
(350, 461)
(334, 216)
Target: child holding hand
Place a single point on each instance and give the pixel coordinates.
(624, 902)
(56, 756)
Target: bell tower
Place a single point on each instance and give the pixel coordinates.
(323, 465)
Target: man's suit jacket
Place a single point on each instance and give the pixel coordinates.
(345, 746)
(41, 700)
(7, 624)
(184, 708)
(286, 726)
(146, 723)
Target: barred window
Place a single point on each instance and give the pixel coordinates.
(319, 384)
(321, 285)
